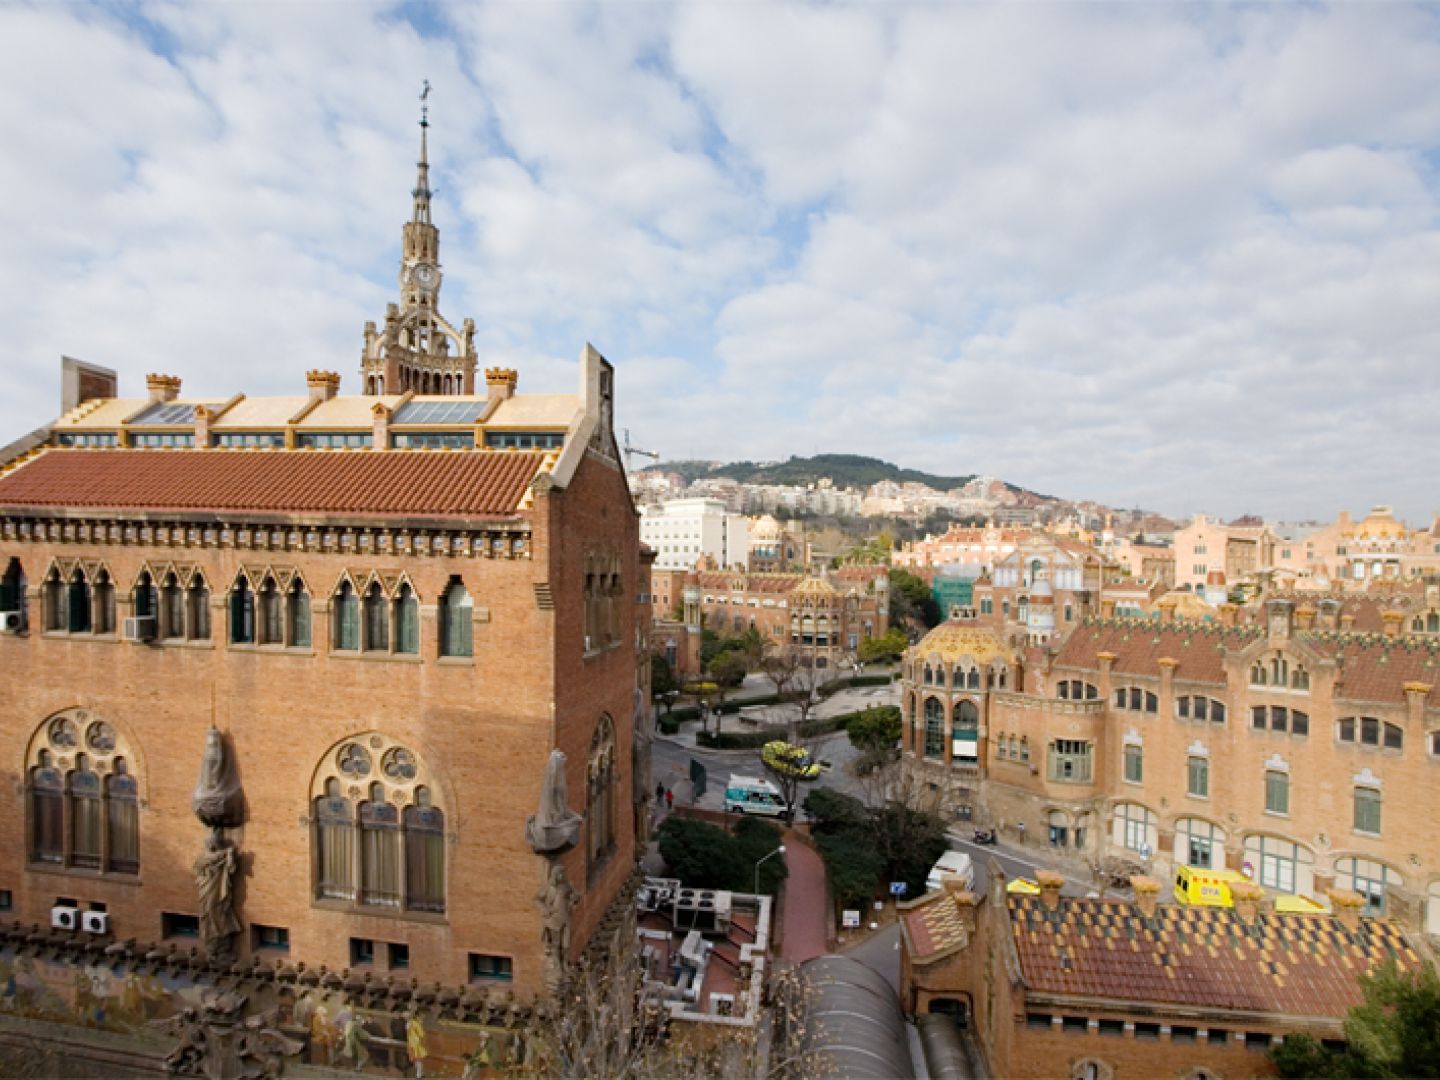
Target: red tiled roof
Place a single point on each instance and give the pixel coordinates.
(383, 482)
(754, 583)
(1376, 668)
(1138, 645)
(1305, 965)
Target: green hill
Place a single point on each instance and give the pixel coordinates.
(845, 470)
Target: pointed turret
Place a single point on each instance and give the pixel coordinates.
(418, 349)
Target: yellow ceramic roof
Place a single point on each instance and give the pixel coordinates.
(536, 410)
(955, 639)
(269, 412)
(1188, 605)
(935, 926)
(815, 586)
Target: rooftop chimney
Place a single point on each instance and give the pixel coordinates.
(1050, 884)
(163, 387)
(1392, 620)
(1147, 892)
(501, 382)
(1304, 617)
(1346, 905)
(1246, 895)
(323, 385)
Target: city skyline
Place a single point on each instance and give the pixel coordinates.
(1185, 259)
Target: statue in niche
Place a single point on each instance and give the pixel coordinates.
(556, 827)
(219, 803)
(556, 902)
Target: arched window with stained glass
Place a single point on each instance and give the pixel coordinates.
(82, 795)
(379, 837)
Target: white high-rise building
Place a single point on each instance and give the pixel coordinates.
(681, 531)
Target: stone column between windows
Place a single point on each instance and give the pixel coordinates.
(1107, 664)
(948, 726)
(1168, 664)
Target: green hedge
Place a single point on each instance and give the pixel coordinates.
(850, 682)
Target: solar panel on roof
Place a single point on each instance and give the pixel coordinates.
(439, 412)
(170, 413)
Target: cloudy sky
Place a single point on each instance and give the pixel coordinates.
(1185, 257)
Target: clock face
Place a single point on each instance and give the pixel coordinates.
(425, 276)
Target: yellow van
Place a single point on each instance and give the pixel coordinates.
(1205, 888)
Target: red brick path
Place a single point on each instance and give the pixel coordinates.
(804, 903)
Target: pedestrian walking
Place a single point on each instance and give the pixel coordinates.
(659, 792)
(669, 799)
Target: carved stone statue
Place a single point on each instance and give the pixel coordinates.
(220, 804)
(217, 1041)
(556, 902)
(556, 827)
(215, 882)
(218, 801)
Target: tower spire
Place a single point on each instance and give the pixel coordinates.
(421, 214)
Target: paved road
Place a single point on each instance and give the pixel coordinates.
(671, 756)
(881, 953)
(1015, 863)
(804, 903)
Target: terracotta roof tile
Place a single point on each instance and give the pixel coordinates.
(1138, 645)
(1200, 957)
(384, 483)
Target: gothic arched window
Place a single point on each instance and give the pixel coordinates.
(81, 797)
(424, 854)
(297, 615)
(197, 597)
(12, 591)
(346, 621)
(272, 613)
(377, 619)
(102, 619)
(407, 621)
(172, 608)
(379, 837)
(456, 613)
(242, 612)
(934, 728)
(78, 600)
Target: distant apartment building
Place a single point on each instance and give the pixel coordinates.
(959, 544)
(1240, 552)
(682, 532)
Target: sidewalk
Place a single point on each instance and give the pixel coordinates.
(804, 915)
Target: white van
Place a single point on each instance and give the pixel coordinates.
(751, 795)
(951, 864)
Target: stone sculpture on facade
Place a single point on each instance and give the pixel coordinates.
(217, 1041)
(556, 828)
(219, 803)
(556, 902)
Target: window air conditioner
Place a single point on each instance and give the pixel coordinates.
(65, 917)
(140, 628)
(95, 922)
(11, 622)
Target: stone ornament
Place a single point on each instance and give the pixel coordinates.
(556, 827)
(219, 803)
(556, 902)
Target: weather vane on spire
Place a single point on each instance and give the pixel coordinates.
(425, 104)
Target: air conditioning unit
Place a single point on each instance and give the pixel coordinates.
(140, 628)
(95, 922)
(11, 622)
(65, 917)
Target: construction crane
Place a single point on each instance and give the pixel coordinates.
(631, 450)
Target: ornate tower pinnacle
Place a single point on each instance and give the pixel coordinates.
(418, 349)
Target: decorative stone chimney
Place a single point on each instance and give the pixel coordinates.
(1329, 614)
(1167, 665)
(323, 385)
(1167, 609)
(380, 433)
(1392, 620)
(1346, 904)
(1050, 885)
(1415, 695)
(163, 387)
(1147, 894)
(1247, 896)
(203, 417)
(1304, 617)
(1347, 622)
(500, 382)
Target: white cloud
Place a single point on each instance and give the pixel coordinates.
(1187, 258)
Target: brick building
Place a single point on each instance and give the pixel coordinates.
(394, 606)
(1100, 989)
(1287, 740)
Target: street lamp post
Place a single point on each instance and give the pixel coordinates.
(778, 851)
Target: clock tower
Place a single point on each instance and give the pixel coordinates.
(418, 349)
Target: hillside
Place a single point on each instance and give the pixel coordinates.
(845, 470)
